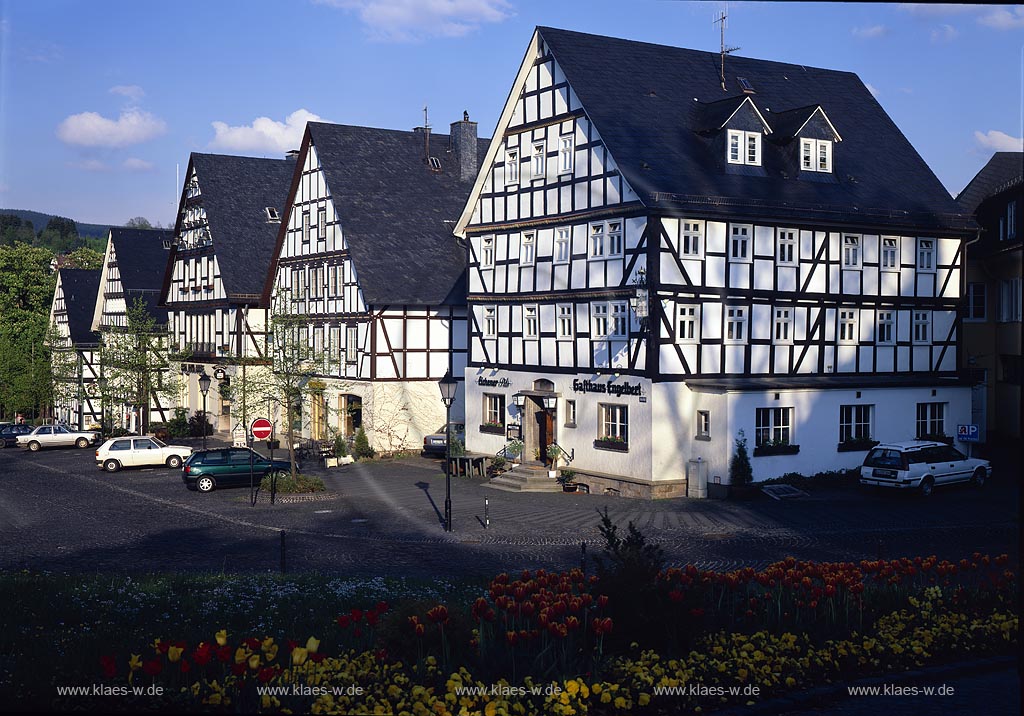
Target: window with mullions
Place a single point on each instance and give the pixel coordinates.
(687, 323)
(599, 320)
(490, 321)
(851, 252)
(597, 248)
(855, 422)
(691, 238)
(494, 410)
(847, 326)
(528, 249)
(351, 343)
(931, 419)
(744, 148)
(512, 166)
(530, 326)
(321, 224)
(922, 326)
(774, 426)
(886, 332)
(783, 326)
(926, 255)
(613, 423)
(735, 325)
(538, 162)
(976, 309)
(565, 323)
(739, 243)
(786, 251)
(563, 246)
(565, 154)
(487, 252)
(619, 320)
(614, 232)
(890, 253)
(305, 227)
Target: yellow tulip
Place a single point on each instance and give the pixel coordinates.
(241, 654)
(135, 662)
(254, 661)
(312, 645)
(174, 654)
(267, 643)
(299, 656)
(222, 637)
(644, 699)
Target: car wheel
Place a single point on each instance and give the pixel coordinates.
(174, 462)
(205, 484)
(3, 444)
(34, 446)
(82, 443)
(111, 466)
(979, 477)
(927, 486)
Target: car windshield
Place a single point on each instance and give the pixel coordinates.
(159, 443)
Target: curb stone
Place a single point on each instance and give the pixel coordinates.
(831, 693)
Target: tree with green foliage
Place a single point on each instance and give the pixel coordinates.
(361, 447)
(14, 230)
(83, 258)
(138, 222)
(740, 470)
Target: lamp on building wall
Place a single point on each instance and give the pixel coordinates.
(550, 402)
(204, 387)
(639, 302)
(519, 400)
(448, 388)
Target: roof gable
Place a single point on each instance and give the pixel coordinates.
(734, 112)
(809, 122)
(80, 288)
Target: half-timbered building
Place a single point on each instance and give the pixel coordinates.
(366, 252)
(133, 266)
(228, 218)
(671, 253)
(75, 348)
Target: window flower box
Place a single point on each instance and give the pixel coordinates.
(785, 449)
(856, 445)
(493, 428)
(611, 443)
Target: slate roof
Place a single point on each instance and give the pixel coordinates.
(1000, 170)
(81, 289)
(235, 193)
(141, 259)
(397, 214)
(640, 97)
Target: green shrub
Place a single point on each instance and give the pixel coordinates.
(177, 427)
(458, 448)
(297, 485)
(740, 471)
(340, 446)
(362, 448)
(199, 423)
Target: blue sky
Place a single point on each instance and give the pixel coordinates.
(100, 99)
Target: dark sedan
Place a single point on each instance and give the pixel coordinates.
(207, 470)
(9, 434)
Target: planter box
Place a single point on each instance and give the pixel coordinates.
(493, 429)
(766, 450)
(613, 445)
(856, 445)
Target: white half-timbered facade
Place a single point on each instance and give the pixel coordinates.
(366, 253)
(75, 349)
(228, 217)
(677, 256)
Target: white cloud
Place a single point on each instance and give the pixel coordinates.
(133, 164)
(89, 129)
(944, 33)
(1004, 19)
(410, 20)
(132, 92)
(868, 33)
(90, 165)
(872, 89)
(999, 141)
(264, 134)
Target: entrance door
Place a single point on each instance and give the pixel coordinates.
(545, 432)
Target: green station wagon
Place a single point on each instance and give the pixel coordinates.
(207, 470)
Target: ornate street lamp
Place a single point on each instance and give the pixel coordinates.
(639, 302)
(448, 387)
(550, 402)
(204, 387)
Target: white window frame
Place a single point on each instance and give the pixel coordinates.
(889, 253)
(511, 166)
(740, 235)
(846, 325)
(487, 252)
(687, 323)
(321, 223)
(773, 424)
(929, 417)
(787, 247)
(305, 226)
(703, 423)
(570, 413)
(596, 240)
(531, 323)
(921, 328)
(563, 246)
(748, 144)
(490, 328)
(691, 239)
(926, 255)
(351, 343)
(494, 408)
(618, 314)
(599, 320)
(566, 152)
(885, 327)
(816, 155)
(735, 325)
(782, 323)
(856, 422)
(614, 233)
(538, 161)
(613, 421)
(852, 249)
(565, 324)
(973, 304)
(528, 248)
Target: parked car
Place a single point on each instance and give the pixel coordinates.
(921, 465)
(437, 443)
(57, 436)
(207, 470)
(117, 453)
(10, 432)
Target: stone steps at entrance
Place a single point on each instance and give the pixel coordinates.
(525, 478)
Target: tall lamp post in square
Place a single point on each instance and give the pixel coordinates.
(448, 387)
(204, 388)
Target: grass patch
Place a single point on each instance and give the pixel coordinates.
(288, 485)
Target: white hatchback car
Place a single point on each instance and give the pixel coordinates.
(135, 451)
(921, 465)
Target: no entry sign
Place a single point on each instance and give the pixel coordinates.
(261, 428)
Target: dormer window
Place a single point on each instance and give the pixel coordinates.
(744, 148)
(816, 155)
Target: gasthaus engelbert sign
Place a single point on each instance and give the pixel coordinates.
(614, 389)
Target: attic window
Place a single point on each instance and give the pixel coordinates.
(745, 85)
(816, 155)
(272, 214)
(743, 148)
(435, 164)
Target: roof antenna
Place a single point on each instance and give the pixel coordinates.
(426, 135)
(725, 50)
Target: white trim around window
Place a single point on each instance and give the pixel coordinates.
(787, 248)
(885, 328)
(538, 161)
(926, 255)
(512, 166)
(890, 253)
(846, 328)
(691, 239)
(564, 324)
(922, 327)
(490, 322)
(566, 151)
(606, 240)
(816, 155)
(528, 248)
(735, 325)
(743, 148)
(563, 246)
(487, 252)
(687, 323)
(852, 252)
(782, 325)
(530, 322)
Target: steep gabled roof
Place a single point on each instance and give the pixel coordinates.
(81, 288)
(236, 192)
(397, 214)
(1001, 169)
(789, 123)
(142, 256)
(716, 115)
(641, 98)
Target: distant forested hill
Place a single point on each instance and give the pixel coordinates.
(40, 220)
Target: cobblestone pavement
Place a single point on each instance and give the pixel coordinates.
(59, 512)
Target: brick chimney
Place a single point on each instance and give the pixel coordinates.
(463, 144)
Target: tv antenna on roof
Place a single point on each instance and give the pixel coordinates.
(722, 18)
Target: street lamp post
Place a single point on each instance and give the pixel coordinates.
(204, 387)
(448, 387)
(103, 405)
